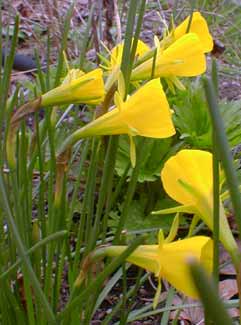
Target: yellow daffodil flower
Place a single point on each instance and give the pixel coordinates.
(169, 261)
(113, 64)
(77, 87)
(187, 178)
(179, 54)
(117, 51)
(145, 113)
(199, 27)
(183, 58)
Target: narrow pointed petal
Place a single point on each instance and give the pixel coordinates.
(183, 58)
(198, 26)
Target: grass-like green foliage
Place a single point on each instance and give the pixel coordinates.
(44, 245)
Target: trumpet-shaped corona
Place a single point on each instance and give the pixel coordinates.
(187, 178)
(77, 87)
(183, 58)
(169, 261)
(199, 27)
(145, 113)
(199, 175)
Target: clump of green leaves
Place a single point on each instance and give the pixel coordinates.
(192, 120)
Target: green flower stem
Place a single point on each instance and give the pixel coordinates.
(125, 64)
(64, 41)
(127, 77)
(130, 294)
(22, 252)
(227, 163)
(87, 206)
(85, 39)
(32, 250)
(5, 81)
(216, 197)
(112, 196)
(214, 308)
(103, 191)
(130, 192)
(224, 150)
(101, 277)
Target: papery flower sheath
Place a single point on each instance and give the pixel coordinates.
(169, 261)
(77, 87)
(145, 113)
(187, 178)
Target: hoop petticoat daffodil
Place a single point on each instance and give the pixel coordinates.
(77, 87)
(183, 58)
(115, 55)
(198, 26)
(115, 58)
(145, 113)
(169, 261)
(181, 53)
(117, 52)
(187, 178)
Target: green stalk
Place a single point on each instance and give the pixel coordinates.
(100, 278)
(25, 188)
(40, 73)
(190, 18)
(216, 198)
(5, 83)
(1, 42)
(29, 298)
(229, 170)
(85, 220)
(33, 249)
(85, 39)
(48, 60)
(134, 44)
(125, 63)
(41, 202)
(22, 252)
(103, 191)
(110, 196)
(214, 308)
(63, 44)
(51, 208)
(124, 295)
(131, 293)
(91, 186)
(130, 192)
(224, 150)
(84, 154)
